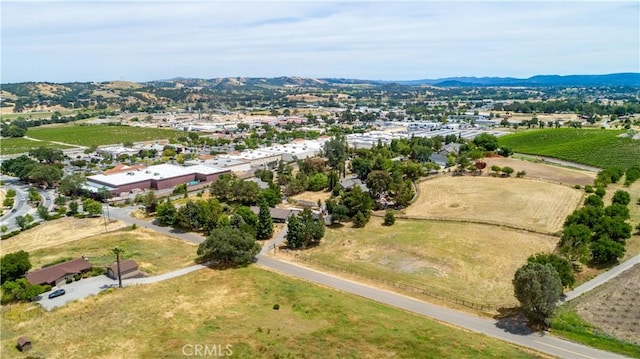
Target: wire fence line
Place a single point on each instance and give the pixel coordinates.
(474, 221)
(488, 308)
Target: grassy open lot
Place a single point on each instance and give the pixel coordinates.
(518, 202)
(58, 232)
(9, 146)
(600, 148)
(155, 253)
(235, 307)
(610, 311)
(99, 134)
(544, 171)
(472, 262)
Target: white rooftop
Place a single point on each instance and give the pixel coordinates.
(153, 172)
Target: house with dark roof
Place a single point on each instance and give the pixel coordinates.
(58, 273)
(439, 159)
(277, 214)
(128, 269)
(349, 182)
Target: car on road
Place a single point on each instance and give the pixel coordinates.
(56, 293)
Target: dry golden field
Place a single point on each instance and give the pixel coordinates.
(545, 172)
(519, 202)
(235, 307)
(57, 232)
(474, 262)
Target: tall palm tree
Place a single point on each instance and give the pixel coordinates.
(118, 251)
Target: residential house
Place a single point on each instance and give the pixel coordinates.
(58, 273)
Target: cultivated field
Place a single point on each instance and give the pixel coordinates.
(57, 232)
(600, 148)
(235, 307)
(99, 134)
(10, 146)
(471, 262)
(608, 317)
(518, 202)
(155, 253)
(614, 307)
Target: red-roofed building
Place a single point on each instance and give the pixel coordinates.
(58, 273)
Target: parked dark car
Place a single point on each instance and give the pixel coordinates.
(56, 293)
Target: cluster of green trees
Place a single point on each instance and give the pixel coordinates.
(593, 234)
(233, 241)
(597, 234)
(355, 206)
(46, 172)
(538, 285)
(614, 174)
(304, 231)
(13, 266)
(231, 189)
(586, 108)
(199, 215)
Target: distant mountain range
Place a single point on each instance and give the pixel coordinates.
(618, 79)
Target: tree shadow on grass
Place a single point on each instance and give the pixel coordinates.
(513, 321)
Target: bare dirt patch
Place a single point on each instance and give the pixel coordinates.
(545, 172)
(57, 232)
(312, 196)
(305, 98)
(517, 202)
(614, 307)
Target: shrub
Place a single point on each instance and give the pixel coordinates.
(521, 174)
(588, 189)
(276, 307)
(389, 218)
(577, 186)
(600, 191)
(69, 280)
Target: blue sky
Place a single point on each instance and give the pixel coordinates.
(149, 40)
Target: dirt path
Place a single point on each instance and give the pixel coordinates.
(56, 142)
(560, 162)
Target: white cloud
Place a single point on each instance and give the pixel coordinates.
(69, 41)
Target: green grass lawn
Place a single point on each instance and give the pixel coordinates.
(600, 148)
(9, 146)
(235, 307)
(567, 323)
(99, 134)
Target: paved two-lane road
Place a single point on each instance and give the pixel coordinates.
(543, 343)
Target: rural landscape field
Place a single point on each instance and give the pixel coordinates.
(520, 203)
(311, 321)
(301, 179)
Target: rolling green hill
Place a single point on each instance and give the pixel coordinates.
(600, 148)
